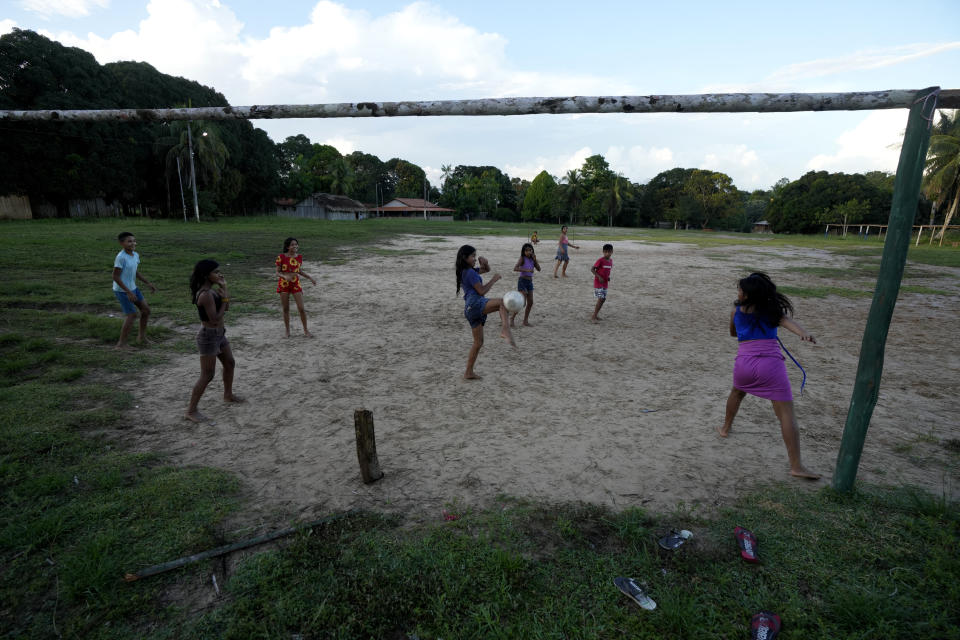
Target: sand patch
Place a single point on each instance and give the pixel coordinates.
(620, 413)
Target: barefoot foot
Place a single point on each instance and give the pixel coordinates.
(471, 376)
(803, 472)
(723, 432)
(197, 417)
(509, 338)
(233, 398)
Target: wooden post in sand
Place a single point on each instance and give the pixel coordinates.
(366, 446)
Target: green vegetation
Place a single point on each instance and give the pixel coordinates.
(66, 166)
(78, 510)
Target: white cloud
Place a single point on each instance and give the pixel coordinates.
(794, 77)
(557, 166)
(6, 26)
(340, 55)
(343, 145)
(638, 163)
(66, 8)
(874, 144)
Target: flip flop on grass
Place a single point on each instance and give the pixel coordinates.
(633, 591)
(748, 544)
(764, 626)
(674, 539)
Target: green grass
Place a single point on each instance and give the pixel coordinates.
(78, 510)
(823, 292)
(878, 564)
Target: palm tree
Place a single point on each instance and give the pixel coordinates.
(209, 151)
(613, 197)
(573, 191)
(341, 177)
(941, 181)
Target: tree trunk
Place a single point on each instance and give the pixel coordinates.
(949, 216)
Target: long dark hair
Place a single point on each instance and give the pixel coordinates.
(524, 248)
(286, 243)
(761, 294)
(463, 253)
(200, 272)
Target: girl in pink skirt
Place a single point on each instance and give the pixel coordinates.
(759, 368)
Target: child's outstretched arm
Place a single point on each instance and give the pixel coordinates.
(142, 278)
(483, 288)
(308, 276)
(792, 326)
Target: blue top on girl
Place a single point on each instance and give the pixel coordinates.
(475, 305)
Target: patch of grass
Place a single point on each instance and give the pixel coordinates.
(823, 292)
(830, 563)
(76, 513)
(392, 253)
(909, 288)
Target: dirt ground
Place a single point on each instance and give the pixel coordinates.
(621, 413)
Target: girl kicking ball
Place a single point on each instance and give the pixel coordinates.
(475, 305)
(759, 368)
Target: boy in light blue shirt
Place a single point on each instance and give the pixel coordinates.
(125, 275)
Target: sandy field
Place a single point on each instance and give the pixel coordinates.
(621, 413)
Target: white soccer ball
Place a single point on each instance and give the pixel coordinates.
(514, 301)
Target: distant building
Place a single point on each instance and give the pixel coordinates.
(322, 206)
(762, 227)
(413, 207)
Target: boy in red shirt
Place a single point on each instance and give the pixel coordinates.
(601, 278)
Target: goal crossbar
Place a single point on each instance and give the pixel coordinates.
(700, 103)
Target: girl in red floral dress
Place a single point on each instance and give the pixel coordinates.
(289, 269)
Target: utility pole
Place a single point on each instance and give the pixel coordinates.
(180, 180)
(193, 172)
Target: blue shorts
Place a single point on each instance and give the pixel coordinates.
(473, 312)
(525, 284)
(600, 293)
(128, 307)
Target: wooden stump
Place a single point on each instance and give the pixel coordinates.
(366, 446)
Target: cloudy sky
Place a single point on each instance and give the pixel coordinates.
(303, 51)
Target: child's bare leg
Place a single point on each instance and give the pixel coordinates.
(526, 311)
(497, 305)
(596, 310)
(733, 406)
(512, 317)
(208, 365)
(474, 352)
(563, 273)
(298, 298)
(791, 438)
(125, 330)
(285, 306)
(229, 364)
(555, 267)
(144, 316)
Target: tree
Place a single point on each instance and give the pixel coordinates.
(849, 212)
(209, 157)
(573, 193)
(408, 178)
(941, 180)
(539, 199)
(664, 193)
(369, 176)
(713, 192)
